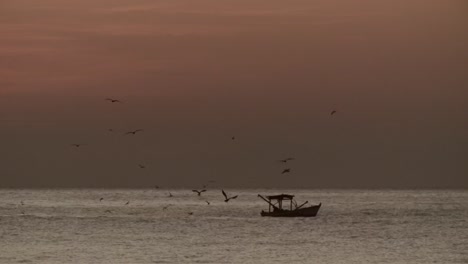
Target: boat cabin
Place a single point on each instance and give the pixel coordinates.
(275, 202)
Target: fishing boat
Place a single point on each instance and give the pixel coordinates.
(276, 209)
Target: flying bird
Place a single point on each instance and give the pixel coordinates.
(208, 203)
(333, 112)
(191, 213)
(127, 203)
(233, 138)
(156, 187)
(286, 160)
(77, 145)
(199, 192)
(226, 198)
(101, 199)
(108, 211)
(141, 166)
(113, 100)
(133, 132)
(170, 194)
(286, 171)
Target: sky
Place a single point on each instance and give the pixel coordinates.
(193, 74)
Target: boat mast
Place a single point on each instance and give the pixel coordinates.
(269, 202)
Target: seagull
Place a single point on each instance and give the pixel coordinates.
(128, 202)
(333, 112)
(141, 166)
(286, 160)
(208, 203)
(77, 145)
(191, 213)
(170, 194)
(101, 199)
(285, 171)
(199, 192)
(226, 198)
(113, 100)
(133, 132)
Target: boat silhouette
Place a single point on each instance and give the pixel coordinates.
(276, 209)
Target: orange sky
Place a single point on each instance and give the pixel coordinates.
(193, 73)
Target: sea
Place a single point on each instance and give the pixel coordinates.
(352, 226)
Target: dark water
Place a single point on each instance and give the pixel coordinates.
(358, 226)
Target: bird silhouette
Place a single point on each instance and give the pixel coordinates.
(108, 211)
(190, 213)
(226, 198)
(141, 166)
(208, 203)
(101, 199)
(156, 187)
(133, 132)
(286, 171)
(77, 145)
(170, 194)
(286, 160)
(113, 100)
(199, 192)
(233, 138)
(127, 203)
(333, 112)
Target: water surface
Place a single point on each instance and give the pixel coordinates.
(353, 226)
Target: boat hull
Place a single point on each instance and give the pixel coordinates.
(303, 212)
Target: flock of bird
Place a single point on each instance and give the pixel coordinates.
(170, 195)
(199, 193)
(287, 170)
(227, 198)
(142, 166)
(134, 132)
